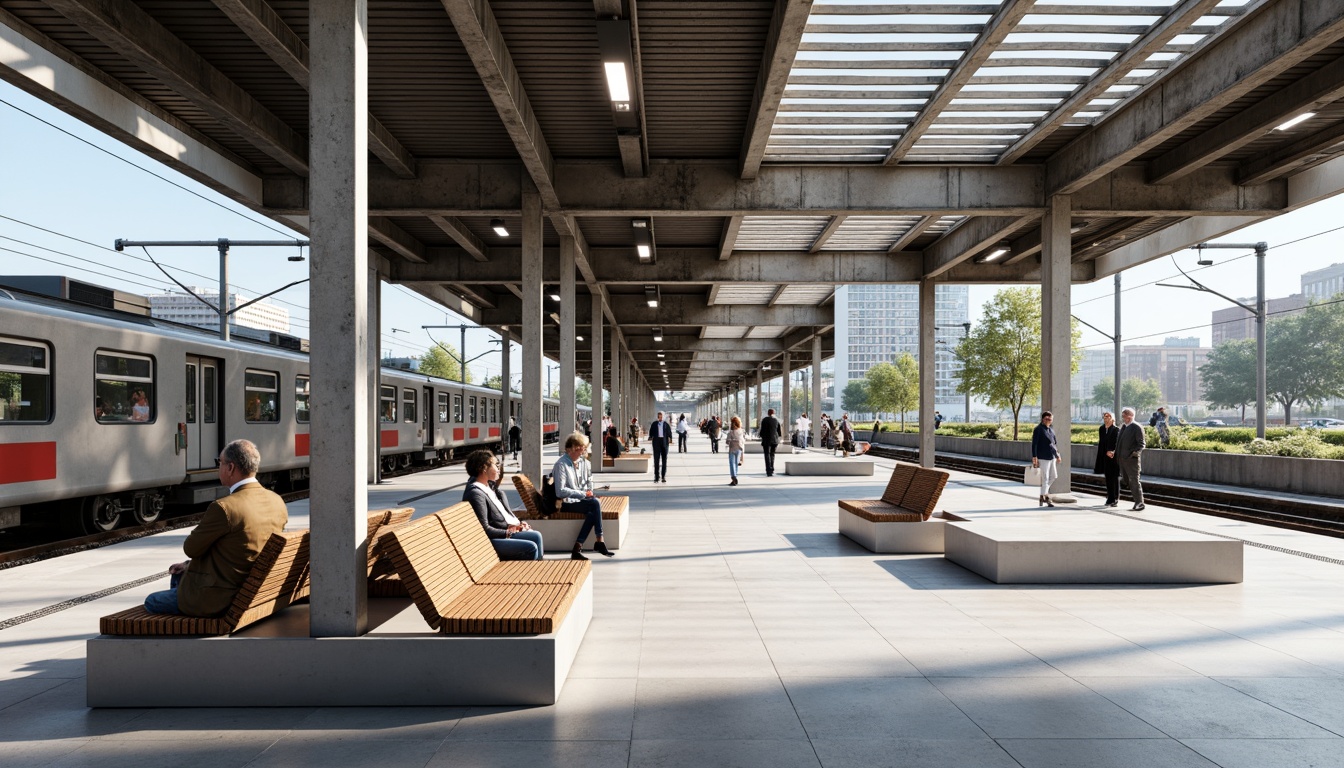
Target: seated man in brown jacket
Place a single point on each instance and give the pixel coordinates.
(227, 541)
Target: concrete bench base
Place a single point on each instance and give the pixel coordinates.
(559, 535)
(1040, 550)
(636, 464)
(399, 663)
(921, 538)
(831, 467)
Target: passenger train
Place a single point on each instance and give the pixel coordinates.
(106, 416)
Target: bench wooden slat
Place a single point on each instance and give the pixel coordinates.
(899, 483)
(911, 496)
(925, 488)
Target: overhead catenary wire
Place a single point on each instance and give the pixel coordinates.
(1220, 322)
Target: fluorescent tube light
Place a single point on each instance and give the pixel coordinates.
(1302, 118)
(645, 252)
(498, 226)
(555, 297)
(618, 84)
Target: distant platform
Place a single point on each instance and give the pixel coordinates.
(1061, 549)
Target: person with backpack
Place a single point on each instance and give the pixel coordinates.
(1159, 420)
(574, 489)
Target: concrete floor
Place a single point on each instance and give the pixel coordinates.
(737, 628)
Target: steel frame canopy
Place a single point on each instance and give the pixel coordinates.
(743, 158)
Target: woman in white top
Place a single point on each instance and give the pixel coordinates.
(734, 439)
(512, 538)
(802, 426)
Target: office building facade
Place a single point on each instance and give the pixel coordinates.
(187, 309)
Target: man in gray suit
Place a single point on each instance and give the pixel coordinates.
(1128, 446)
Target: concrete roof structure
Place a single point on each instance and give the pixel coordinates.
(772, 150)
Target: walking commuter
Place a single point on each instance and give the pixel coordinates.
(633, 433)
(1129, 446)
(681, 434)
(1107, 434)
(515, 436)
(824, 432)
(574, 489)
(802, 426)
(846, 431)
(877, 427)
(713, 429)
(937, 419)
(513, 539)
(769, 431)
(660, 435)
(734, 440)
(1045, 455)
(1159, 420)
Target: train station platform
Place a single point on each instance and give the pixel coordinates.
(737, 627)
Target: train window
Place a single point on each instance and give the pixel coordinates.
(457, 409)
(25, 381)
(208, 406)
(408, 399)
(191, 394)
(387, 404)
(443, 408)
(302, 395)
(124, 387)
(261, 396)
(471, 408)
(493, 412)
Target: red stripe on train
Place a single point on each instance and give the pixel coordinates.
(301, 445)
(459, 433)
(550, 427)
(494, 431)
(475, 432)
(27, 462)
(388, 438)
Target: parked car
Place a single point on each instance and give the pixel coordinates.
(1322, 423)
(1212, 423)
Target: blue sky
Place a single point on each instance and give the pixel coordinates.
(57, 182)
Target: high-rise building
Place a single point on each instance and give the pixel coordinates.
(876, 323)
(1322, 284)
(1096, 365)
(1237, 323)
(187, 309)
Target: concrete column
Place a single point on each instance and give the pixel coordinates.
(339, 295)
(596, 340)
(746, 411)
(760, 404)
(816, 390)
(785, 418)
(928, 354)
(533, 377)
(568, 369)
(375, 365)
(1057, 327)
(616, 379)
(505, 390)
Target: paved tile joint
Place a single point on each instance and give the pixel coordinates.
(737, 627)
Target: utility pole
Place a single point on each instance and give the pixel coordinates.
(1116, 339)
(223, 245)
(1261, 387)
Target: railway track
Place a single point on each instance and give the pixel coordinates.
(1323, 518)
(31, 553)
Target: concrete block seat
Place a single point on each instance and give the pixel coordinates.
(633, 463)
(1084, 548)
(559, 530)
(499, 634)
(828, 467)
(902, 521)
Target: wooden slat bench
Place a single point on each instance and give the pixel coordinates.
(460, 586)
(278, 578)
(559, 531)
(382, 578)
(911, 496)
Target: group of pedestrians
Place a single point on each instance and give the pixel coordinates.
(1119, 456)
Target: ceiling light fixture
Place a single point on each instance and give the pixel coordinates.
(498, 226)
(1302, 118)
(613, 42)
(555, 297)
(660, 354)
(999, 251)
(651, 295)
(578, 338)
(643, 238)
(657, 334)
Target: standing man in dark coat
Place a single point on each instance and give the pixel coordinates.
(712, 428)
(224, 544)
(1128, 445)
(660, 434)
(769, 432)
(1107, 435)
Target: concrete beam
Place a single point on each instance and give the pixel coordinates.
(1209, 191)
(728, 239)
(912, 234)
(39, 66)
(282, 45)
(965, 241)
(387, 233)
(463, 236)
(677, 309)
(1290, 157)
(1272, 39)
(136, 36)
(781, 47)
(1309, 94)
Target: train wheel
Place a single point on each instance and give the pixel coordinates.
(389, 463)
(404, 461)
(95, 514)
(146, 511)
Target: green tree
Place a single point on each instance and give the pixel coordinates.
(894, 388)
(583, 393)
(1228, 378)
(1304, 357)
(494, 382)
(441, 360)
(1139, 394)
(855, 397)
(1001, 358)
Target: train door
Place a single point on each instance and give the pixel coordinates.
(427, 417)
(202, 412)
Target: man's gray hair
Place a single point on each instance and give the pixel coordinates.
(244, 455)
(1125, 410)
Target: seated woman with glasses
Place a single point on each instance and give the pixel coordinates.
(512, 538)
